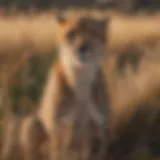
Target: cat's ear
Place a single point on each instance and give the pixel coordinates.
(61, 19)
(65, 22)
(96, 26)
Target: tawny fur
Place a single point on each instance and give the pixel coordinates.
(75, 94)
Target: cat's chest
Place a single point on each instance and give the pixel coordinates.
(79, 106)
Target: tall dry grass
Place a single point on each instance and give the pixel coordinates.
(30, 34)
(37, 32)
(27, 33)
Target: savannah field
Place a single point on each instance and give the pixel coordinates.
(131, 67)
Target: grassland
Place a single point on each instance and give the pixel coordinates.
(28, 46)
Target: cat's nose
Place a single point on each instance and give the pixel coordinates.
(83, 52)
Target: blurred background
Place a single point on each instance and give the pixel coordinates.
(28, 48)
(125, 5)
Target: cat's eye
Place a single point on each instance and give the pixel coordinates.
(71, 36)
